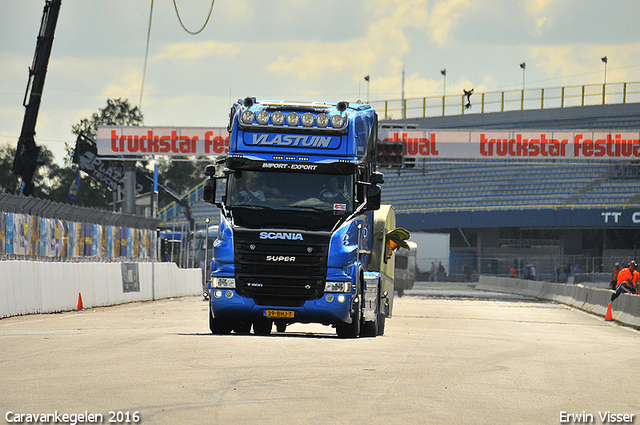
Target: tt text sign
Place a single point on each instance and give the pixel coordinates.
(171, 141)
(520, 145)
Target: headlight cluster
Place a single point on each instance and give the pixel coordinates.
(337, 286)
(293, 119)
(223, 282)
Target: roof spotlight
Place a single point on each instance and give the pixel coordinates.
(293, 119)
(322, 120)
(263, 117)
(277, 118)
(307, 119)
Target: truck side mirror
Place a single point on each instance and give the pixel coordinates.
(373, 198)
(210, 170)
(209, 190)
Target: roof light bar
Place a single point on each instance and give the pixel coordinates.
(292, 114)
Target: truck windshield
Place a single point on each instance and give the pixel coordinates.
(291, 191)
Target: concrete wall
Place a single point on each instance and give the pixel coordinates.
(625, 309)
(45, 287)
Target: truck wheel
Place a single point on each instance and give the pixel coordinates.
(262, 327)
(400, 292)
(381, 319)
(351, 330)
(218, 325)
(242, 327)
(369, 329)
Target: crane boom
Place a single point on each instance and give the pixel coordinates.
(26, 161)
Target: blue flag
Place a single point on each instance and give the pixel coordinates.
(75, 186)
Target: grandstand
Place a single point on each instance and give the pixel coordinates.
(442, 185)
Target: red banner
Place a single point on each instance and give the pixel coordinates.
(172, 141)
(449, 144)
(522, 145)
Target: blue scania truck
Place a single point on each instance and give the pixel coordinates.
(302, 236)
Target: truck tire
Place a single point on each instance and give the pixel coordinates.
(218, 325)
(381, 320)
(369, 329)
(352, 330)
(262, 327)
(242, 327)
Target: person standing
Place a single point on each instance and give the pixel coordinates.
(466, 272)
(614, 276)
(627, 280)
(442, 274)
(432, 272)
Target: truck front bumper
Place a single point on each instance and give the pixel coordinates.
(331, 308)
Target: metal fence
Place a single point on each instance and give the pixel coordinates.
(551, 267)
(509, 100)
(37, 229)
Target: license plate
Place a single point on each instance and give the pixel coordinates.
(279, 314)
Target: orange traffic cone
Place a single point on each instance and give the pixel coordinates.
(609, 316)
(80, 306)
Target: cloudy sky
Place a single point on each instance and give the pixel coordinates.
(302, 50)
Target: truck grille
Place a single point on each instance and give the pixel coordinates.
(280, 272)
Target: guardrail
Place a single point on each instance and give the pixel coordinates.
(626, 308)
(508, 100)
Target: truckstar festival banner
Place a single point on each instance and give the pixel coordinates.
(171, 141)
(521, 145)
(515, 144)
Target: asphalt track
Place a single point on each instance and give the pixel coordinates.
(444, 359)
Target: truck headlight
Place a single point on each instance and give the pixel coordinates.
(263, 117)
(277, 118)
(223, 282)
(337, 286)
(337, 121)
(307, 119)
(322, 120)
(293, 119)
(248, 116)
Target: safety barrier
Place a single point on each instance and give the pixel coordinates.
(37, 229)
(45, 287)
(625, 309)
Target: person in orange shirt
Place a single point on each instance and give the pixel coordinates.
(627, 280)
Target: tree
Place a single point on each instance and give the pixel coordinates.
(9, 182)
(117, 112)
(92, 193)
(46, 179)
(182, 176)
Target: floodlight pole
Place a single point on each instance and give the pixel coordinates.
(367, 78)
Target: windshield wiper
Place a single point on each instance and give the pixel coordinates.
(253, 207)
(307, 207)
